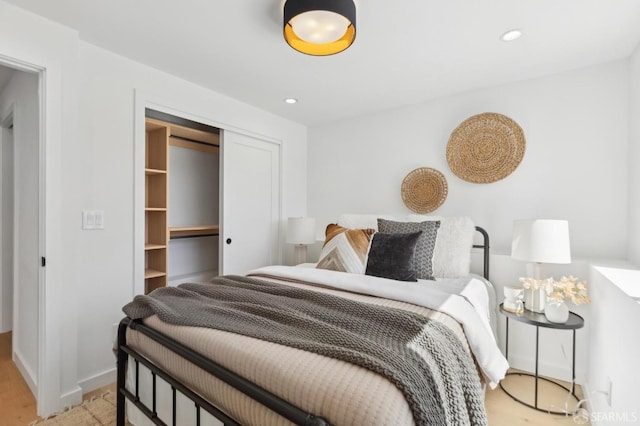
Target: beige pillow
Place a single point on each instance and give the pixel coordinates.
(345, 249)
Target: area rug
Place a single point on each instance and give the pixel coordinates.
(97, 411)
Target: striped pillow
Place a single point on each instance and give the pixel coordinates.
(423, 258)
(345, 249)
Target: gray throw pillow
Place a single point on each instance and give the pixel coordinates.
(423, 256)
(391, 256)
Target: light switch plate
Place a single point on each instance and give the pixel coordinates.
(99, 219)
(93, 219)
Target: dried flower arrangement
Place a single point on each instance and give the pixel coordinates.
(568, 288)
(532, 283)
(557, 291)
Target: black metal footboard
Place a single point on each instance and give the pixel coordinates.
(250, 389)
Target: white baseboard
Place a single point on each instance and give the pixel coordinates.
(26, 373)
(195, 277)
(545, 369)
(601, 413)
(97, 381)
(71, 398)
(590, 403)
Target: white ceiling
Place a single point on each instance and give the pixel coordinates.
(405, 51)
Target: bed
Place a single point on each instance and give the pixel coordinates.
(201, 372)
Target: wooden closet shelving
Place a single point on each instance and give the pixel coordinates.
(155, 206)
(159, 136)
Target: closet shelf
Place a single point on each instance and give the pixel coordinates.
(151, 246)
(150, 172)
(152, 273)
(193, 231)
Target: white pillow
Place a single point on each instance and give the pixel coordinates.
(452, 252)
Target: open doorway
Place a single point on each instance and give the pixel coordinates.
(50, 67)
(20, 218)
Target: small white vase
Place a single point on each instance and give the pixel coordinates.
(557, 312)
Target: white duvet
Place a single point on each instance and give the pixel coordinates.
(464, 299)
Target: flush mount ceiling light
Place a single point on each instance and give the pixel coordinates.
(511, 35)
(291, 101)
(319, 27)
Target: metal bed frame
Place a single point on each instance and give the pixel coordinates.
(264, 397)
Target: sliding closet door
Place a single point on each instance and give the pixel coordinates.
(250, 203)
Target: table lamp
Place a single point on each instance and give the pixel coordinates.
(540, 241)
(301, 231)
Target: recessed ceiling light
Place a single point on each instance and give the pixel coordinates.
(511, 35)
(291, 100)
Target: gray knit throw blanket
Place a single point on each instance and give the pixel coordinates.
(423, 358)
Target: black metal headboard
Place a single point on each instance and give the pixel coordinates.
(485, 247)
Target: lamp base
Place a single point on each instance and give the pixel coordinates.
(535, 300)
(300, 253)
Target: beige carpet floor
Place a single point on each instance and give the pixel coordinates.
(97, 411)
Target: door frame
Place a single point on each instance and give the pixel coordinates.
(143, 100)
(52, 315)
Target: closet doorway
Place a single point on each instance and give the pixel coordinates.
(211, 201)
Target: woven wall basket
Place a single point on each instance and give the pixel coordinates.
(424, 190)
(485, 148)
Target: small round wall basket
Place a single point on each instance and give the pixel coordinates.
(424, 190)
(485, 148)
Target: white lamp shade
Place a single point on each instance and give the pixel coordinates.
(301, 230)
(541, 241)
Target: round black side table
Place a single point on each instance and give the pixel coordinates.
(574, 322)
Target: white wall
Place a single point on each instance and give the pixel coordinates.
(6, 230)
(634, 157)
(21, 95)
(6, 212)
(575, 165)
(106, 167)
